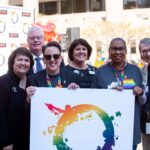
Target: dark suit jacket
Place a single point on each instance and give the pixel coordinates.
(67, 77)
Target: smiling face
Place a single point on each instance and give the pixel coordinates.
(52, 59)
(145, 52)
(80, 54)
(35, 41)
(21, 65)
(117, 52)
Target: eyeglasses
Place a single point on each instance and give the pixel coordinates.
(115, 49)
(49, 57)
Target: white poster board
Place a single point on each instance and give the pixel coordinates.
(84, 119)
(14, 24)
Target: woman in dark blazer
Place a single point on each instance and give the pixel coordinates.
(14, 112)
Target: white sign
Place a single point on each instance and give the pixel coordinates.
(82, 119)
(14, 24)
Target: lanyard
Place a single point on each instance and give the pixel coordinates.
(120, 81)
(59, 85)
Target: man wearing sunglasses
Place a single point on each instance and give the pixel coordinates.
(53, 75)
(144, 47)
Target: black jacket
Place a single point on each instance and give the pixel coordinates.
(14, 113)
(67, 77)
(85, 75)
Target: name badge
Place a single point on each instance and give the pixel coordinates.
(147, 127)
(92, 72)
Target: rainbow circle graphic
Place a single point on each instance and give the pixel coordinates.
(70, 115)
(25, 28)
(14, 17)
(13, 46)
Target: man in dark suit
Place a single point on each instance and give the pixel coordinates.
(35, 40)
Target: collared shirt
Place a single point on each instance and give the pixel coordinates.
(41, 61)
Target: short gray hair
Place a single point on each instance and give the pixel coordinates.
(145, 41)
(34, 28)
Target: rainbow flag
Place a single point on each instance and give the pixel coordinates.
(128, 84)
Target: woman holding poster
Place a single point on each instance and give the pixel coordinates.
(14, 111)
(118, 74)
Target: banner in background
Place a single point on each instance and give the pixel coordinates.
(14, 24)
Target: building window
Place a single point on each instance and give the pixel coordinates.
(133, 47)
(73, 6)
(48, 8)
(144, 3)
(133, 50)
(66, 6)
(97, 5)
(131, 4)
(78, 6)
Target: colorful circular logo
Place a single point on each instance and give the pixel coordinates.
(70, 116)
(25, 28)
(14, 17)
(13, 46)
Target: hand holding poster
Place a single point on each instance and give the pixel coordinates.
(91, 119)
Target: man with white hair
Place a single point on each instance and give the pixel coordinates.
(35, 40)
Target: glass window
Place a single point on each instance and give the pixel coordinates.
(97, 5)
(77, 6)
(73, 6)
(67, 6)
(144, 3)
(133, 47)
(130, 4)
(48, 8)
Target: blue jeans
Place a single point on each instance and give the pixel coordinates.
(134, 147)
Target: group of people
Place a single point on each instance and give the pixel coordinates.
(42, 66)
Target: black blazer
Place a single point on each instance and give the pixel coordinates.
(14, 113)
(67, 77)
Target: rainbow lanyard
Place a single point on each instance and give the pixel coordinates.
(59, 85)
(120, 81)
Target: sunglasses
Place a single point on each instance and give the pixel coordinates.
(49, 57)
